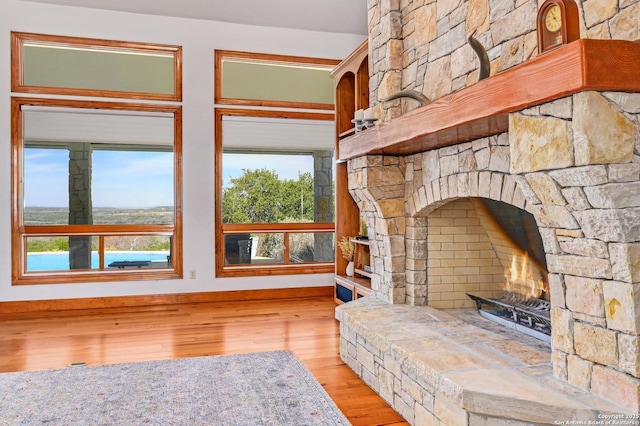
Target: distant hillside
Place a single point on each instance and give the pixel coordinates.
(161, 215)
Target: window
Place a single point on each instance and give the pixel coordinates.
(95, 190)
(96, 186)
(273, 80)
(274, 163)
(90, 67)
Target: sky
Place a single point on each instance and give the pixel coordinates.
(120, 178)
(286, 166)
(132, 179)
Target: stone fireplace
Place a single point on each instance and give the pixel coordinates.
(429, 180)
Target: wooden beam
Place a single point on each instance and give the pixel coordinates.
(482, 109)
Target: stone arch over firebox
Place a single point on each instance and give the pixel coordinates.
(395, 195)
(446, 190)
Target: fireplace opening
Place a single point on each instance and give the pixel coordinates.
(489, 255)
(524, 304)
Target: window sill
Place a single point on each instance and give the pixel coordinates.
(262, 270)
(48, 277)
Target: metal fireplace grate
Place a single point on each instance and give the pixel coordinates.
(523, 313)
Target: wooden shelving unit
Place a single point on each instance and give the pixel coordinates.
(352, 93)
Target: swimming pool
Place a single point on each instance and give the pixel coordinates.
(59, 261)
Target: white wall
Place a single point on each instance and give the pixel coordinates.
(199, 39)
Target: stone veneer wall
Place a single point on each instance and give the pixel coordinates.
(80, 210)
(580, 178)
(421, 44)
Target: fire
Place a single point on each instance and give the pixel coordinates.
(524, 277)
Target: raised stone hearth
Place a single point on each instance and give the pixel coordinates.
(434, 366)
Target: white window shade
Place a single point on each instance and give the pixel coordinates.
(102, 126)
(96, 68)
(260, 134)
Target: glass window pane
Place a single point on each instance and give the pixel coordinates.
(137, 251)
(269, 248)
(277, 171)
(132, 187)
(106, 168)
(311, 247)
(240, 248)
(276, 82)
(46, 186)
(95, 69)
(267, 188)
(65, 253)
(254, 249)
(62, 253)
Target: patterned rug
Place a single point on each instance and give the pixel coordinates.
(267, 388)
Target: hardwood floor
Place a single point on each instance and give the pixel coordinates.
(48, 340)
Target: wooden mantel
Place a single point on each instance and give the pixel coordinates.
(483, 109)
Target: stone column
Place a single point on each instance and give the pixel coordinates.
(376, 184)
(80, 207)
(323, 203)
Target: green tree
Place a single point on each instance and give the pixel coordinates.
(297, 198)
(46, 244)
(260, 196)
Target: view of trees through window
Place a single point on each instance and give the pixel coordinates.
(261, 196)
(257, 194)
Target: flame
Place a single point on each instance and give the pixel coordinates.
(524, 278)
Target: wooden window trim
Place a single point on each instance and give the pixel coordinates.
(220, 229)
(17, 62)
(221, 55)
(19, 231)
(286, 268)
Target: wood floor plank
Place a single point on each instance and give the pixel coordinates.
(47, 340)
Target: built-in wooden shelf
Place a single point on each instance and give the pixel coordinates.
(482, 109)
(351, 94)
(365, 283)
(359, 285)
(363, 272)
(361, 257)
(350, 288)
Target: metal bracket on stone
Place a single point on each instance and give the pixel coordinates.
(485, 66)
(413, 94)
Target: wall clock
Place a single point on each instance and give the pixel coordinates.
(558, 24)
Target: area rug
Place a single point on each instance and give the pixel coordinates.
(266, 388)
